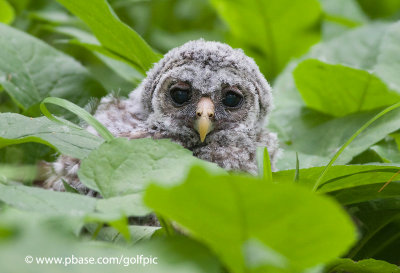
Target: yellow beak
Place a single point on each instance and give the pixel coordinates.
(204, 113)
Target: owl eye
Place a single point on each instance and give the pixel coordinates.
(232, 99)
(179, 95)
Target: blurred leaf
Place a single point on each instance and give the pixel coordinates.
(70, 204)
(24, 173)
(112, 33)
(225, 212)
(340, 16)
(19, 5)
(363, 266)
(69, 140)
(121, 166)
(378, 221)
(389, 58)
(69, 188)
(381, 8)
(115, 62)
(7, 12)
(40, 236)
(137, 234)
(25, 153)
(129, 205)
(30, 70)
(279, 30)
(339, 90)
(45, 201)
(388, 150)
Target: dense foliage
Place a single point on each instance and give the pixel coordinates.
(333, 205)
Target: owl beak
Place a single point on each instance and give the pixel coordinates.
(204, 113)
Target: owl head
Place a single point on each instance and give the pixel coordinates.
(202, 90)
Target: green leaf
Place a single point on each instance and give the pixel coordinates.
(226, 212)
(340, 16)
(31, 70)
(389, 58)
(362, 48)
(22, 173)
(68, 187)
(267, 170)
(364, 193)
(379, 222)
(68, 140)
(45, 201)
(350, 140)
(388, 149)
(318, 138)
(283, 29)
(81, 113)
(125, 166)
(40, 236)
(339, 90)
(341, 176)
(7, 12)
(112, 33)
(373, 48)
(363, 266)
(129, 205)
(381, 8)
(119, 65)
(137, 234)
(69, 204)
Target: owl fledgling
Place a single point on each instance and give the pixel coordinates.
(206, 96)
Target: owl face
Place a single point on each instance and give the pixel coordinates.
(205, 101)
(204, 90)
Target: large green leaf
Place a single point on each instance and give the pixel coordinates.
(31, 70)
(69, 140)
(112, 33)
(361, 48)
(7, 12)
(374, 48)
(38, 236)
(233, 213)
(125, 166)
(338, 90)
(276, 30)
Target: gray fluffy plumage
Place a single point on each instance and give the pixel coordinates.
(208, 67)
